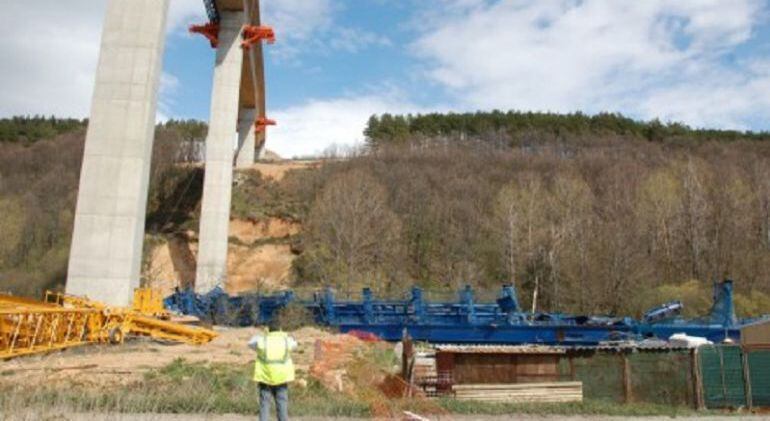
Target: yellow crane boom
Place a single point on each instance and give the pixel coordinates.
(63, 321)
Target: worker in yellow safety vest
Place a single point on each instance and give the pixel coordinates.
(273, 370)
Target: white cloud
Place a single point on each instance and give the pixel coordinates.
(352, 40)
(725, 99)
(50, 49)
(648, 58)
(183, 13)
(49, 52)
(311, 128)
(308, 27)
(297, 19)
(296, 23)
(169, 84)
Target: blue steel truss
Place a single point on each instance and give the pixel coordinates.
(464, 321)
(211, 10)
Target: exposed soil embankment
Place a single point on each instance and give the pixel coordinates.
(277, 170)
(251, 232)
(258, 258)
(259, 254)
(172, 264)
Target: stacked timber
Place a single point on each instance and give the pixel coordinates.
(521, 392)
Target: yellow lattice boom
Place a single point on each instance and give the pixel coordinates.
(62, 321)
(149, 302)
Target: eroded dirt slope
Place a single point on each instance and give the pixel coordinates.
(259, 253)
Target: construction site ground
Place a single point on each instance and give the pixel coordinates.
(339, 377)
(520, 417)
(114, 366)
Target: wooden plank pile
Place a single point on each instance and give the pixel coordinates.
(521, 392)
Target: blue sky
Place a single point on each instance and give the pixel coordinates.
(328, 66)
(702, 62)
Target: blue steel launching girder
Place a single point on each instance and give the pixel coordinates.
(464, 321)
(211, 10)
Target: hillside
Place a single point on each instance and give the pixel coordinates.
(599, 213)
(263, 228)
(40, 160)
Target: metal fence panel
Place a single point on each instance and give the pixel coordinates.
(722, 373)
(651, 377)
(664, 378)
(759, 373)
(602, 376)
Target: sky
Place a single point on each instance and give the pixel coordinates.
(705, 63)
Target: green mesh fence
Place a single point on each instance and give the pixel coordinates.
(653, 377)
(601, 374)
(759, 373)
(661, 377)
(722, 375)
(666, 377)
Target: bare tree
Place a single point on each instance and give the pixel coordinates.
(697, 222)
(352, 231)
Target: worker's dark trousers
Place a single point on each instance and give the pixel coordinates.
(279, 394)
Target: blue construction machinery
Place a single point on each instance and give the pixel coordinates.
(465, 321)
(211, 10)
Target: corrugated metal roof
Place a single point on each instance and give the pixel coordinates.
(647, 345)
(625, 346)
(499, 349)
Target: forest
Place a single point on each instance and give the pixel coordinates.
(40, 161)
(31, 129)
(523, 129)
(599, 214)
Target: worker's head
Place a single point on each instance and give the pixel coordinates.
(274, 325)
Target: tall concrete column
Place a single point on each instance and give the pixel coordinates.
(106, 252)
(246, 138)
(220, 145)
(260, 145)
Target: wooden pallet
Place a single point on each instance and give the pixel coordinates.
(521, 392)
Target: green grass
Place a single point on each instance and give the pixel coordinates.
(181, 388)
(214, 388)
(587, 407)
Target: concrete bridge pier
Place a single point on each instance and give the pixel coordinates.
(106, 252)
(220, 147)
(246, 138)
(259, 149)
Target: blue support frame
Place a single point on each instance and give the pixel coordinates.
(464, 321)
(211, 10)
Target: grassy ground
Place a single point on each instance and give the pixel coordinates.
(195, 388)
(180, 387)
(588, 407)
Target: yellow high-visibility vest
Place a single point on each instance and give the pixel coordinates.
(273, 365)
